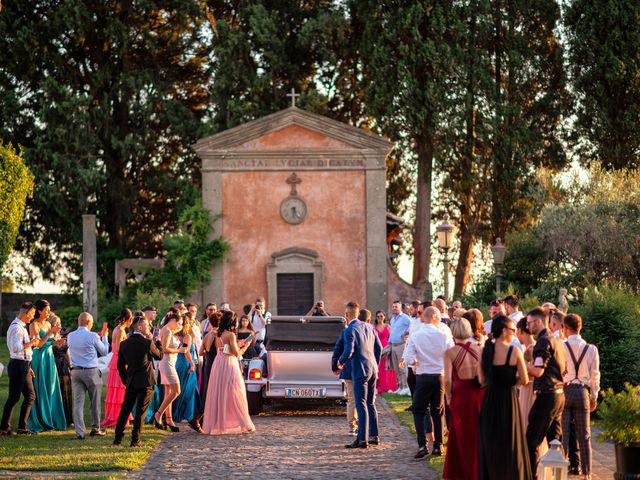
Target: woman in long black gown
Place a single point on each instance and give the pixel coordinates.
(503, 446)
(208, 351)
(63, 365)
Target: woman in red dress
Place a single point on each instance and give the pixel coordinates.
(115, 388)
(386, 378)
(464, 396)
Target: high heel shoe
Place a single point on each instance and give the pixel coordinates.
(173, 427)
(157, 424)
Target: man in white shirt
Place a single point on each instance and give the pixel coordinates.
(84, 348)
(209, 310)
(582, 384)
(441, 304)
(415, 325)
(19, 371)
(512, 305)
(495, 308)
(425, 349)
(259, 318)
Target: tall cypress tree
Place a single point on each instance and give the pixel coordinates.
(508, 98)
(264, 48)
(106, 98)
(408, 58)
(604, 60)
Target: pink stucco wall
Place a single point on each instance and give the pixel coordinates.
(334, 227)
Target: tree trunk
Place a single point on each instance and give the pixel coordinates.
(463, 269)
(422, 227)
(498, 150)
(468, 219)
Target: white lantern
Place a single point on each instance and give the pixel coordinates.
(553, 465)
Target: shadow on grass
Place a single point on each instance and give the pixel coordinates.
(61, 451)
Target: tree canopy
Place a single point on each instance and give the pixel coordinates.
(16, 185)
(106, 99)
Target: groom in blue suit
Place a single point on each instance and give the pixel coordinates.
(362, 347)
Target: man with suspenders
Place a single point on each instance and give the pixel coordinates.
(582, 383)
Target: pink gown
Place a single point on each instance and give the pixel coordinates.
(115, 394)
(386, 378)
(226, 410)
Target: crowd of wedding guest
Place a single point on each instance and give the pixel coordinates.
(501, 388)
(157, 370)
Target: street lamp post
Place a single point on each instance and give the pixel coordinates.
(445, 238)
(498, 251)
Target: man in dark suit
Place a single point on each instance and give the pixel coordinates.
(135, 366)
(362, 347)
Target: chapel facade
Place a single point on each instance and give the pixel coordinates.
(301, 199)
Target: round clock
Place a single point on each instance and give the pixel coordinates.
(293, 210)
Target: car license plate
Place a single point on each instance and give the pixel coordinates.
(306, 392)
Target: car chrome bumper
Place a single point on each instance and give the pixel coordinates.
(333, 390)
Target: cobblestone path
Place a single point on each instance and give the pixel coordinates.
(290, 445)
(603, 457)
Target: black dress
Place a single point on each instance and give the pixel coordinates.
(503, 446)
(209, 357)
(251, 352)
(64, 376)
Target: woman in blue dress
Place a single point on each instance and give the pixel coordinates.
(187, 405)
(47, 412)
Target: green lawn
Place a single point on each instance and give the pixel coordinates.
(61, 451)
(399, 403)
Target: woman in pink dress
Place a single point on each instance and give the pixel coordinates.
(115, 388)
(386, 378)
(226, 410)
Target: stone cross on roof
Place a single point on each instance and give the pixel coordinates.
(293, 96)
(294, 180)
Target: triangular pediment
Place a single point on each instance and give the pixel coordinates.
(293, 137)
(293, 129)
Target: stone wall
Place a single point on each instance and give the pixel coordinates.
(11, 304)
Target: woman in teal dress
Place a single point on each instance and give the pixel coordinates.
(47, 412)
(187, 405)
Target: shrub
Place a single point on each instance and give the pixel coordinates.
(620, 414)
(69, 316)
(611, 321)
(190, 255)
(161, 299)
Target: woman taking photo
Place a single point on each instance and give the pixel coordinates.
(115, 387)
(171, 346)
(246, 330)
(503, 447)
(226, 410)
(47, 412)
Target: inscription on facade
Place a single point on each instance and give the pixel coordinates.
(234, 164)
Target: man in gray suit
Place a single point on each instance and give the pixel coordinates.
(84, 348)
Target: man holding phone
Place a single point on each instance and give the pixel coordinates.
(85, 347)
(259, 317)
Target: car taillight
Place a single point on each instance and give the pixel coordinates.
(255, 374)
